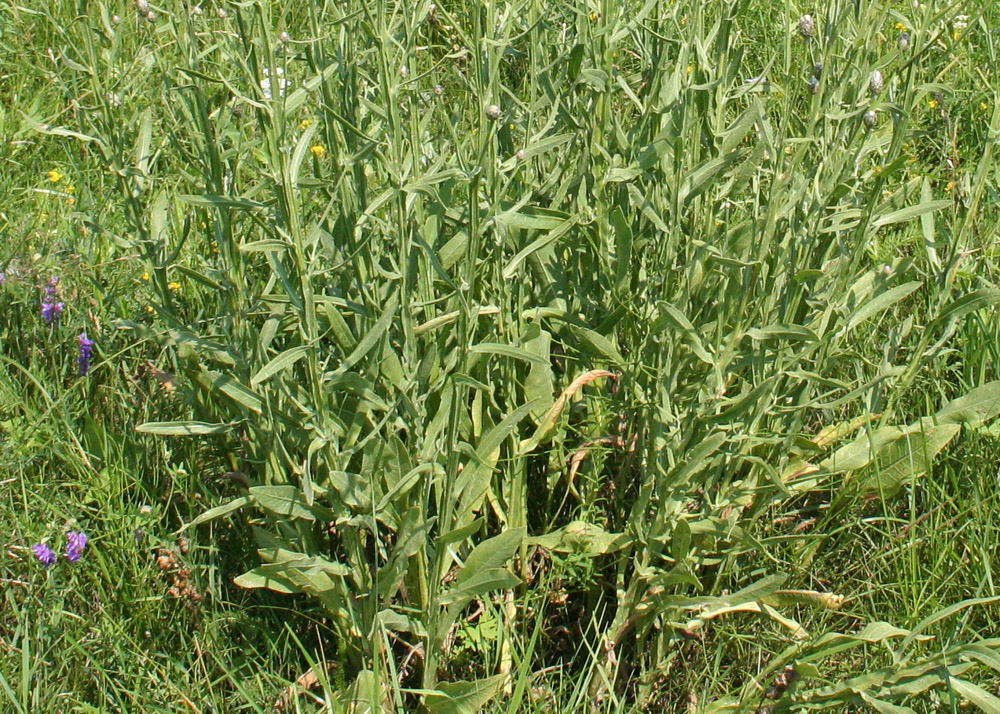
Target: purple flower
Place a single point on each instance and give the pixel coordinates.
(86, 352)
(51, 307)
(44, 554)
(76, 542)
(2, 278)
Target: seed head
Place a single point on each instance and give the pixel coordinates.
(520, 154)
(493, 112)
(285, 37)
(904, 41)
(876, 84)
(813, 85)
(807, 27)
(438, 89)
(871, 118)
(818, 70)
(142, 7)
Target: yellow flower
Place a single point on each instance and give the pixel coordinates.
(306, 123)
(145, 276)
(55, 176)
(950, 186)
(933, 103)
(901, 27)
(690, 68)
(984, 106)
(71, 189)
(318, 150)
(955, 35)
(70, 201)
(174, 285)
(149, 308)
(593, 17)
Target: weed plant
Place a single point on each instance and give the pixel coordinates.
(569, 356)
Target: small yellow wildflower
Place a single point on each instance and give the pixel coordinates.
(70, 201)
(984, 106)
(690, 68)
(145, 276)
(318, 150)
(174, 285)
(933, 103)
(901, 27)
(306, 123)
(955, 35)
(950, 186)
(149, 308)
(55, 176)
(593, 17)
(71, 189)
(684, 21)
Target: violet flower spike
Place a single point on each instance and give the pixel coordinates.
(51, 307)
(44, 554)
(86, 352)
(76, 542)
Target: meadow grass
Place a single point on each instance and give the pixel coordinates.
(481, 356)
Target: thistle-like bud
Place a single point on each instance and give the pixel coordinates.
(520, 154)
(221, 12)
(142, 7)
(404, 71)
(493, 112)
(151, 16)
(904, 41)
(876, 84)
(807, 27)
(115, 20)
(285, 37)
(813, 85)
(818, 70)
(438, 89)
(871, 118)
(432, 12)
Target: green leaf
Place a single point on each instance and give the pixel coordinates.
(583, 538)
(288, 502)
(282, 362)
(978, 406)
(463, 697)
(510, 270)
(183, 428)
(910, 212)
(890, 297)
(218, 512)
(975, 694)
(491, 554)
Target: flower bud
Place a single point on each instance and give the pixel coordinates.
(221, 12)
(813, 85)
(142, 7)
(115, 20)
(807, 27)
(871, 118)
(151, 16)
(818, 70)
(520, 154)
(904, 41)
(438, 89)
(285, 37)
(876, 84)
(493, 112)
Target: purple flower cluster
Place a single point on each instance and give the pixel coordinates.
(76, 541)
(86, 352)
(52, 307)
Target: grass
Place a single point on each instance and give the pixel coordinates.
(517, 357)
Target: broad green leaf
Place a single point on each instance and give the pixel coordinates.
(282, 362)
(975, 694)
(463, 697)
(218, 512)
(490, 554)
(910, 212)
(289, 502)
(583, 538)
(976, 407)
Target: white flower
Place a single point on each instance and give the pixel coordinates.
(282, 83)
(961, 22)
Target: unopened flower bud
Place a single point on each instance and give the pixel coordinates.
(877, 83)
(285, 37)
(221, 12)
(151, 16)
(493, 112)
(115, 20)
(813, 85)
(807, 27)
(404, 71)
(818, 70)
(438, 89)
(142, 7)
(520, 154)
(904, 41)
(871, 118)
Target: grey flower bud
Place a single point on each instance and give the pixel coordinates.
(876, 84)
(520, 154)
(493, 112)
(285, 37)
(813, 85)
(818, 70)
(404, 71)
(221, 12)
(807, 27)
(151, 16)
(115, 20)
(438, 89)
(871, 118)
(142, 7)
(904, 41)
